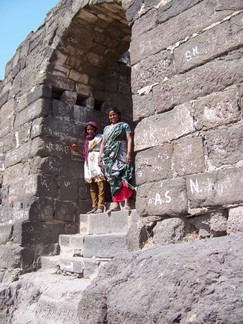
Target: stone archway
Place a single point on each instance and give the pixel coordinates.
(72, 75)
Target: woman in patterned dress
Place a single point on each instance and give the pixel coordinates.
(115, 156)
(93, 174)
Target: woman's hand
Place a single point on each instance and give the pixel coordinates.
(128, 158)
(73, 147)
(100, 160)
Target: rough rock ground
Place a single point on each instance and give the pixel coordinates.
(193, 282)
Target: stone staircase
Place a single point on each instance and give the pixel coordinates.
(101, 237)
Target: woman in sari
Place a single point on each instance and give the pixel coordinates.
(115, 156)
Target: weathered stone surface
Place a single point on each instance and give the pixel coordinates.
(40, 301)
(199, 82)
(145, 23)
(37, 232)
(177, 29)
(64, 211)
(170, 231)
(152, 70)
(71, 243)
(168, 9)
(166, 197)
(195, 282)
(10, 256)
(37, 109)
(106, 245)
(42, 209)
(212, 43)
(154, 164)
(217, 188)
(211, 224)
(18, 154)
(188, 156)
(235, 220)
(46, 186)
(217, 109)
(68, 188)
(137, 234)
(225, 146)
(104, 223)
(169, 125)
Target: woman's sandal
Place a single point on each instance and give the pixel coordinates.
(113, 209)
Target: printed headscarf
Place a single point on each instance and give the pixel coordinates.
(88, 138)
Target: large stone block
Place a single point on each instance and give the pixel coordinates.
(171, 230)
(10, 256)
(40, 232)
(106, 245)
(235, 220)
(168, 8)
(42, 210)
(217, 109)
(209, 44)
(225, 145)
(7, 110)
(64, 211)
(169, 126)
(62, 110)
(152, 70)
(48, 165)
(4, 97)
(188, 156)
(46, 186)
(60, 129)
(154, 164)
(104, 223)
(143, 106)
(210, 224)
(199, 82)
(68, 188)
(218, 188)
(39, 91)
(39, 108)
(177, 29)
(145, 23)
(18, 154)
(71, 244)
(162, 198)
(15, 173)
(23, 189)
(6, 126)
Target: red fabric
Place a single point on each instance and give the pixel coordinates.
(125, 193)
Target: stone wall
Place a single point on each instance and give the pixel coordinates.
(187, 78)
(67, 72)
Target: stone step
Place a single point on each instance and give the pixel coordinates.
(104, 245)
(89, 246)
(105, 223)
(50, 263)
(71, 244)
(87, 267)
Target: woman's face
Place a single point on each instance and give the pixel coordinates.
(113, 117)
(90, 130)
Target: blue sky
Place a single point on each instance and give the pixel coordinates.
(17, 19)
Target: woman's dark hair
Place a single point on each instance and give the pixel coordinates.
(115, 110)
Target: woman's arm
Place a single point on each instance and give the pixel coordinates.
(75, 148)
(129, 148)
